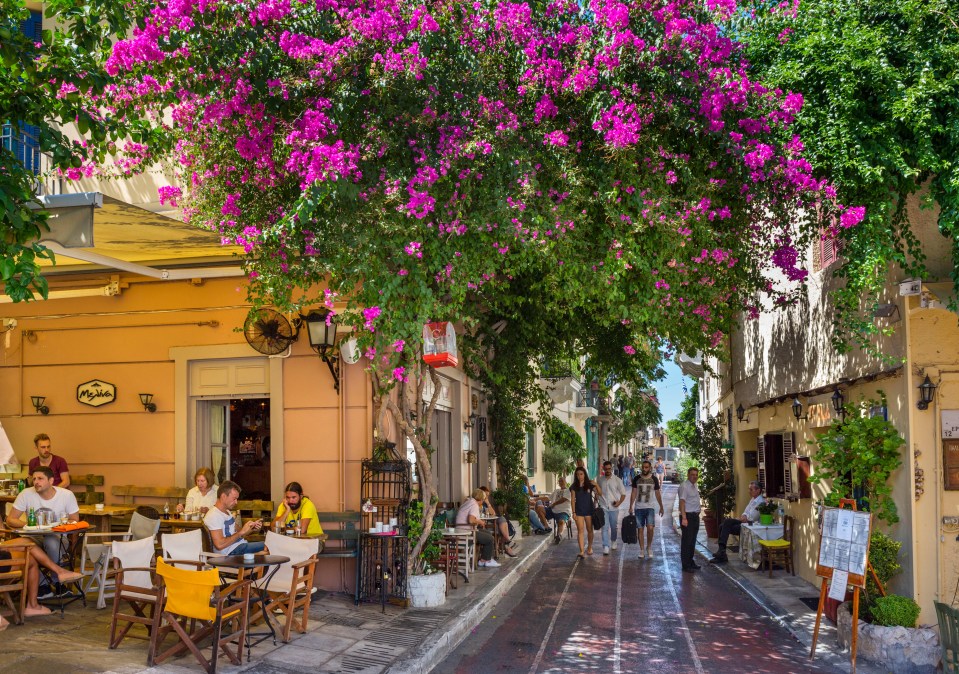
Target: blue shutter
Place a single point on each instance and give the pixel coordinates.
(25, 143)
(32, 26)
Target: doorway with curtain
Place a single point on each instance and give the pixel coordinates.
(233, 439)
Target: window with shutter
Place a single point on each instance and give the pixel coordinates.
(789, 458)
(530, 453)
(23, 140)
(772, 470)
(761, 455)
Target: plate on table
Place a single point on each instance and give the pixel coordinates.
(46, 527)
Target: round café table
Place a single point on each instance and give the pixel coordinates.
(270, 564)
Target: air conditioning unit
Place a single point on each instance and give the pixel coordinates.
(910, 287)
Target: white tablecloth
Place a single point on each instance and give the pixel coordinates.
(749, 548)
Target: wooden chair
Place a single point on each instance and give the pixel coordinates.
(95, 558)
(135, 586)
(780, 550)
(449, 561)
(948, 636)
(90, 496)
(195, 598)
(291, 587)
(13, 578)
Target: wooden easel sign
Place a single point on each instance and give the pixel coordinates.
(843, 560)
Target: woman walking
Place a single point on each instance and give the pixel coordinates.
(584, 494)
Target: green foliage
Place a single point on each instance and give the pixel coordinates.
(895, 611)
(426, 560)
(563, 447)
(861, 452)
(682, 429)
(709, 449)
(881, 90)
(768, 507)
(685, 462)
(884, 556)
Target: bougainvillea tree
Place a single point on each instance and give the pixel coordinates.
(404, 161)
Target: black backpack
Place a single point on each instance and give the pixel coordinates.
(628, 533)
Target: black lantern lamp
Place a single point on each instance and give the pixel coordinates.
(740, 412)
(926, 391)
(469, 423)
(797, 410)
(43, 409)
(838, 401)
(321, 328)
(146, 399)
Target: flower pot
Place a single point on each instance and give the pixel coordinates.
(711, 524)
(910, 650)
(427, 590)
(765, 520)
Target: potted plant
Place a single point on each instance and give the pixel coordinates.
(767, 509)
(427, 584)
(714, 457)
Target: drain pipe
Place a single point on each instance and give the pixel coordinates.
(143, 270)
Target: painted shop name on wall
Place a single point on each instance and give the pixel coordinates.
(95, 393)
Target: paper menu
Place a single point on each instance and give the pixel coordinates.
(837, 589)
(845, 541)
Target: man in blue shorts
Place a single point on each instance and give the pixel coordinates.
(645, 488)
(561, 506)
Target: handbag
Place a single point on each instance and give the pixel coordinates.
(599, 519)
(628, 532)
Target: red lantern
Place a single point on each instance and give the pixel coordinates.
(439, 344)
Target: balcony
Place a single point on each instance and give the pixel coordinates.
(588, 402)
(559, 380)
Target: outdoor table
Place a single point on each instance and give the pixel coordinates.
(270, 564)
(102, 519)
(750, 551)
(464, 538)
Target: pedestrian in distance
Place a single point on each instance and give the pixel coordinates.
(630, 465)
(646, 487)
(613, 495)
(689, 507)
(660, 470)
(584, 495)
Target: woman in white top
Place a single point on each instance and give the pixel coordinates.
(203, 496)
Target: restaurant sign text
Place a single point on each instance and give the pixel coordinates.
(96, 392)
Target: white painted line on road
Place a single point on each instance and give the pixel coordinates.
(552, 622)
(619, 621)
(679, 607)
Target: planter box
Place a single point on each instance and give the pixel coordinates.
(711, 524)
(902, 650)
(427, 591)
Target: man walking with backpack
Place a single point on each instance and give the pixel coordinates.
(645, 487)
(613, 495)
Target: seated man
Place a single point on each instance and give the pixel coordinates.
(298, 511)
(59, 501)
(468, 517)
(489, 510)
(538, 517)
(221, 523)
(560, 504)
(732, 526)
(39, 557)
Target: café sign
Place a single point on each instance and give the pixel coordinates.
(96, 392)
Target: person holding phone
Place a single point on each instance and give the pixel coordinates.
(298, 512)
(219, 520)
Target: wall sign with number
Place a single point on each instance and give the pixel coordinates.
(950, 424)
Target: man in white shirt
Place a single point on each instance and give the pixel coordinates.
(560, 504)
(732, 526)
(646, 489)
(44, 495)
(613, 495)
(689, 507)
(221, 523)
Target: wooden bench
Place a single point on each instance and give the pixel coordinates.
(343, 542)
(129, 493)
(90, 496)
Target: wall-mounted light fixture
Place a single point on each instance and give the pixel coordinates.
(43, 409)
(838, 401)
(321, 329)
(797, 410)
(926, 392)
(740, 412)
(146, 399)
(469, 423)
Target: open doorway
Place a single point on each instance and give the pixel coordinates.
(234, 440)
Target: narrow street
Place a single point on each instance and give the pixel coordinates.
(622, 614)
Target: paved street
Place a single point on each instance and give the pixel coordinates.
(622, 614)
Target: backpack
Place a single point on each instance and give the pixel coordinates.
(628, 532)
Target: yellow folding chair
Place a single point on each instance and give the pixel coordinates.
(195, 607)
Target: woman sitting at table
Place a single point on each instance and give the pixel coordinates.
(40, 557)
(490, 511)
(468, 517)
(297, 511)
(202, 497)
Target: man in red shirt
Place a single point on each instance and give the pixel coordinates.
(45, 457)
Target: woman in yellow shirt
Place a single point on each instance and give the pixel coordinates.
(298, 510)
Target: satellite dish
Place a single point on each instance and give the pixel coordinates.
(269, 332)
(349, 351)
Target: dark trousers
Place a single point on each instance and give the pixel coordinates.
(687, 544)
(729, 527)
(484, 539)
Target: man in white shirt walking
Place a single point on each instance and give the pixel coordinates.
(646, 489)
(732, 526)
(689, 507)
(613, 495)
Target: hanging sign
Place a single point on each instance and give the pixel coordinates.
(96, 393)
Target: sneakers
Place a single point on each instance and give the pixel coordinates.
(489, 564)
(615, 544)
(641, 553)
(605, 549)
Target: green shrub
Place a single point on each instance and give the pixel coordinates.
(895, 611)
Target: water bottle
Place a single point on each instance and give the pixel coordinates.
(782, 515)
(166, 511)
(21, 485)
(31, 518)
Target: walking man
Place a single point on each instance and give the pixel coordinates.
(613, 495)
(630, 467)
(645, 487)
(689, 507)
(733, 527)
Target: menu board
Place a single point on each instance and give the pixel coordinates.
(844, 545)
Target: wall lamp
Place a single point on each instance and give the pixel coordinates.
(43, 409)
(838, 401)
(469, 423)
(926, 392)
(146, 399)
(321, 329)
(797, 410)
(740, 412)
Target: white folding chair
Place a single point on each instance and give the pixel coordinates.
(291, 586)
(95, 559)
(132, 563)
(188, 547)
